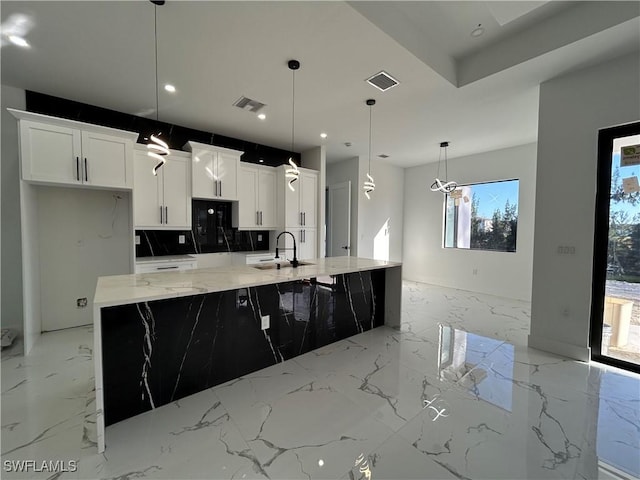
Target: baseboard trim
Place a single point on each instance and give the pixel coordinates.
(577, 352)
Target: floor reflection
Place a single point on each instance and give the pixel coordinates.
(488, 370)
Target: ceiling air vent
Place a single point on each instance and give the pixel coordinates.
(383, 155)
(382, 81)
(248, 104)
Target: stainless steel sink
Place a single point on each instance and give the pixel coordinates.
(274, 266)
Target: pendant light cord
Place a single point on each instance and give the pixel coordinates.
(293, 110)
(370, 107)
(155, 35)
(446, 163)
(446, 166)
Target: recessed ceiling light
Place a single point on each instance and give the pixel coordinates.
(479, 30)
(323, 135)
(19, 41)
(262, 116)
(170, 88)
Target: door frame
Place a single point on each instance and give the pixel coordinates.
(606, 137)
(329, 217)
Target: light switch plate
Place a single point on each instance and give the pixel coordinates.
(181, 239)
(265, 322)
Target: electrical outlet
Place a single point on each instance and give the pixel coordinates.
(265, 322)
(81, 302)
(137, 239)
(566, 250)
(259, 237)
(181, 239)
(475, 271)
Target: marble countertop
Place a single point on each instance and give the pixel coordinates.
(142, 287)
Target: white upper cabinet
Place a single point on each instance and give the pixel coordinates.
(257, 202)
(298, 208)
(163, 201)
(59, 151)
(214, 171)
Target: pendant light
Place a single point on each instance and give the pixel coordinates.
(438, 185)
(156, 148)
(369, 184)
(293, 173)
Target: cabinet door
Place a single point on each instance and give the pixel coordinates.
(309, 244)
(50, 153)
(247, 197)
(308, 198)
(293, 217)
(106, 160)
(203, 173)
(177, 193)
(227, 173)
(286, 242)
(147, 192)
(267, 200)
(305, 244)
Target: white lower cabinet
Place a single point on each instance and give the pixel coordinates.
(163, 201)
(306, 243)
(165, 266)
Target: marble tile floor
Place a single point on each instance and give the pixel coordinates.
(455, 393)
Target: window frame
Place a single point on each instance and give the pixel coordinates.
(455, 227)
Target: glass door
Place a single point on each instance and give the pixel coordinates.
(615, 309)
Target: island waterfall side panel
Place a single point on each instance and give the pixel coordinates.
(157, 352)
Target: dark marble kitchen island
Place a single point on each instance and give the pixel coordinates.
(160, 337)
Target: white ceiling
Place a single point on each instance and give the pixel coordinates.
(479, 93)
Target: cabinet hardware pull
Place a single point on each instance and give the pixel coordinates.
(257, 218)
(78, 168)
(166, 268)
(161, 218)
(86, 171)
(215, 188)
(166, 215)
(261, 217)
(300, 218)
(304, 218)
(220, 187)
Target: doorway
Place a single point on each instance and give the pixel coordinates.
(339, 219)
(615, 308)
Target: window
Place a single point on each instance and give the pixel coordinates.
(482, 216)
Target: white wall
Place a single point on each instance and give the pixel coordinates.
(498, 273)
(380, 218)
(572, 109)
(30, 294)
(347, 170)
(11, 257)
(83, 234)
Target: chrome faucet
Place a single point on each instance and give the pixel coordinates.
(294, 262)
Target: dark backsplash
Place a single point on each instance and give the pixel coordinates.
(165, 242)
(176, 135)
